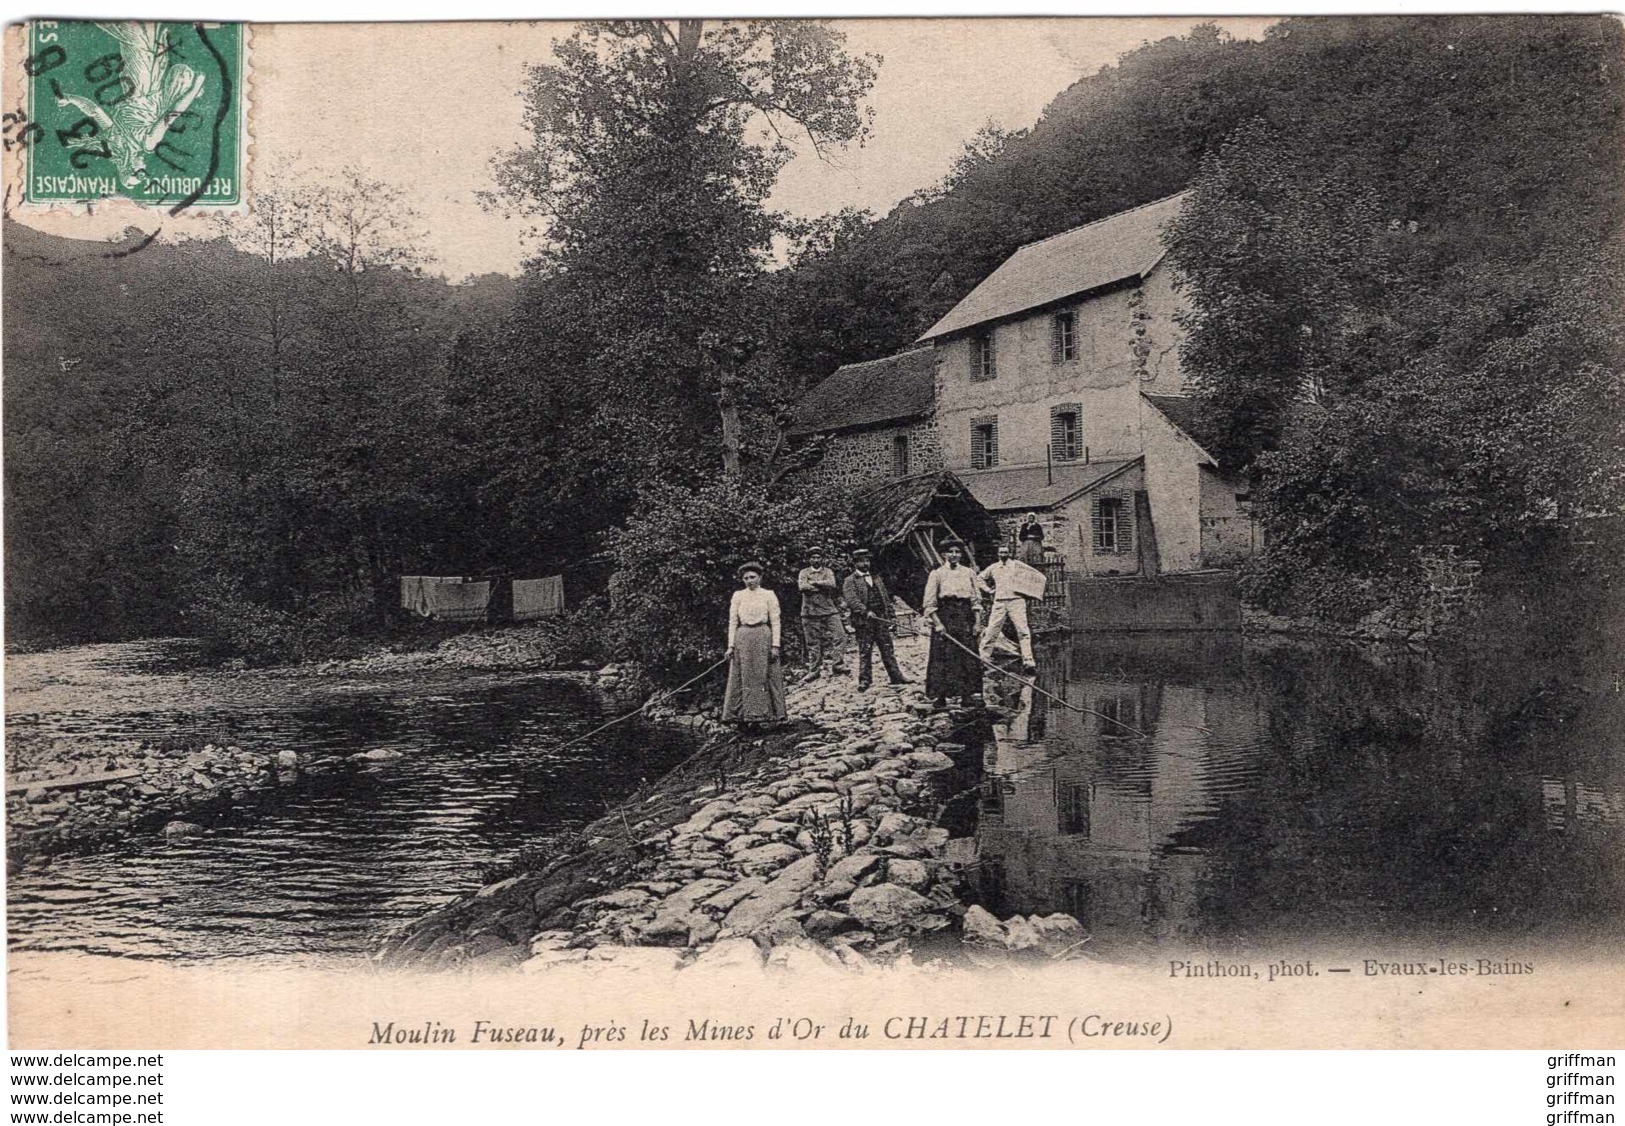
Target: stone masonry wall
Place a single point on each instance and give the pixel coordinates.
(862, 457)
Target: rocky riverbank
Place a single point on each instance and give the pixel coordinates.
(828, 842)
(70, 787)
(64, 795)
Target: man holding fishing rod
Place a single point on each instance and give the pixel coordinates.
(866, 596)
(1009, 605)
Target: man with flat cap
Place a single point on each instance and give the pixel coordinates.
(866, 596)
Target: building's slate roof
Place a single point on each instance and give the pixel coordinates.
(892, 389)
(1113, 249)
(1179, 410)
(1038, 487)
(885, 513)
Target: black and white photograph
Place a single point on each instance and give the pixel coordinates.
(815, 533)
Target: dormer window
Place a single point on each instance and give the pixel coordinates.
(983, 362)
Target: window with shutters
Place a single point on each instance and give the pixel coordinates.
(899, 455)
(1063, 337)
(1113, 525)
(984, 443)
(983, 362)
(1066, 432)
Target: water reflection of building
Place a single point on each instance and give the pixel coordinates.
(1572, 804)
(1083, 814)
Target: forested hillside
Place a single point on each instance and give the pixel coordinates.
(1401, 254)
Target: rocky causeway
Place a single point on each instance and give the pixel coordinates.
(817, 843)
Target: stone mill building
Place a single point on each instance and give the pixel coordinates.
(1053, 387)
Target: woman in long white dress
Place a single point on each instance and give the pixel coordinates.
(755, 675)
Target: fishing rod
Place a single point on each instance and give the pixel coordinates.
(642, 706)
(1033, 684)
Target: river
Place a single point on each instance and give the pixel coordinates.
(1232, 797)
(1209, 794)
(324, 867)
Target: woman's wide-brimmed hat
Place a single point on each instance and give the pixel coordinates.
(750, 565)
(951, 541)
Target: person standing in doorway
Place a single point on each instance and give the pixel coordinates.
(1008, 606)
(1030, 540)
(755, 693)
(821, 626)
(952, 593)
(870, 602)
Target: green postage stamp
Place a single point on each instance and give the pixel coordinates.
(147, 111)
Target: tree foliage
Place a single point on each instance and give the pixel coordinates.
(676, 557)
(1405, 315)
(653, 146)
(237, 438)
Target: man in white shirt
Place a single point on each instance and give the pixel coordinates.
(1008, 606)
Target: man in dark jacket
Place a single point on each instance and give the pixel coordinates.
(866, 596)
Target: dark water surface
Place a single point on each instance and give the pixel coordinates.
(1284, 797)
(1278, 798)
(325, 866)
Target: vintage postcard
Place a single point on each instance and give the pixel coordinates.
(1096, 533)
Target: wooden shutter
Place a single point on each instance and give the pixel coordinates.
(978, 446)
(1097, 525)
(1125, 526)
(992, 442)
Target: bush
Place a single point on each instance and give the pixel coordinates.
(676, 558)
(575, 637)
(326, 625)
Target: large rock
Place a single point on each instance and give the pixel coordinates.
(823, 924)
(676, 925)
(833, 890)
(885, 906)
(744, 843)
(854, 868)
(895, 825)
(1020, 935)
(981, 928)
(782, 893)
(622, 900)
(767, 856)
(723, 831)
(182, 829)
(708, 815)
(724, 900)
(803, 959)
(635, 959)
(930, 760)
(909, 873)
(1058, 932)
(731, 954)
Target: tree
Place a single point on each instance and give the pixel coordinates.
(653, 147)
(1403, 286)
